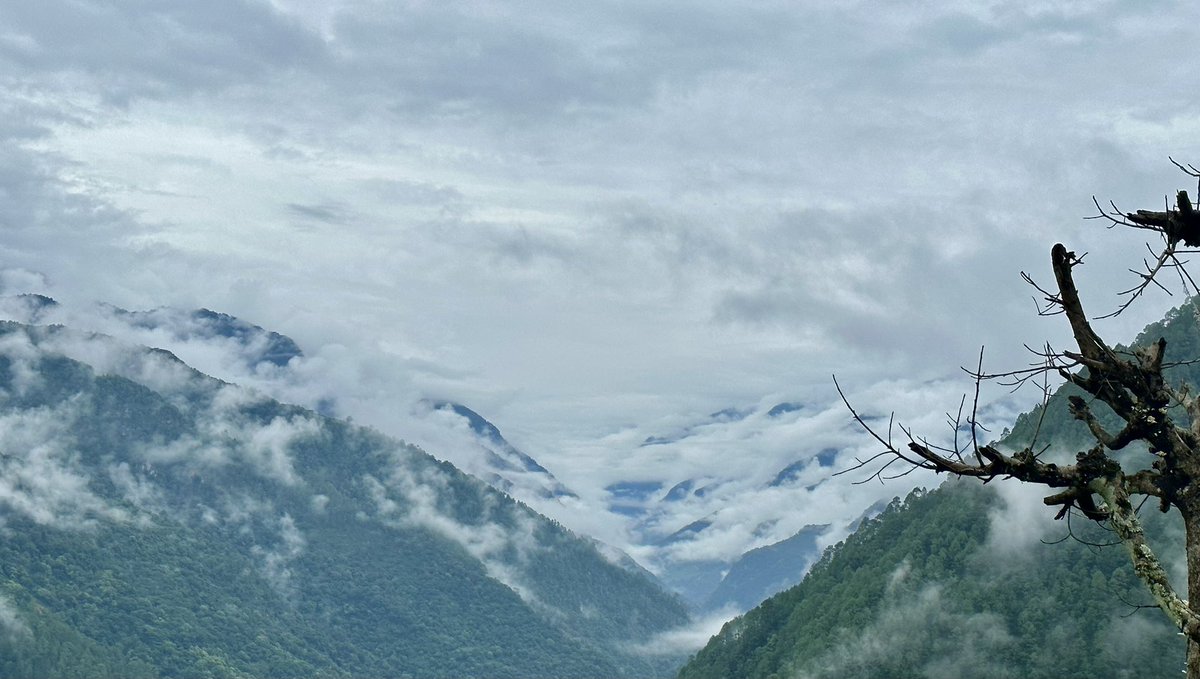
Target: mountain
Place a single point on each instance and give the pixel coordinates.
(258, 344)
(484, 452)
(687, 526)
(764, 571)
(680, 527)
(253, 344)
(741, 580)
(157, 521)
(499, 462)
(925, 590)
(971, 580)
(687, 523)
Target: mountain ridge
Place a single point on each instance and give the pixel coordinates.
(112, 468)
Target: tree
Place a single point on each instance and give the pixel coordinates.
(1105, 480)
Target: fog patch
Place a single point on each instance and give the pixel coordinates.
(227, 435)
(274, 561)
(919, 626)
(157, 370)
(40, 473)
(319, 502)
(899, 575)
(1129, 636)
(136, 488)
(243, 509)
(12, 622)
(1019, 521)
(266, 447)
(685, 639)
(414, 498)
(22, 357)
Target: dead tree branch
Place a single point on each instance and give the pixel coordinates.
(1131, 384)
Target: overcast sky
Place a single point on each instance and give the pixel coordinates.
(595, 221)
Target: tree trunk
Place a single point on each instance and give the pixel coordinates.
(1191, 522)
(1146, 565)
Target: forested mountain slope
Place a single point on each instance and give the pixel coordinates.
(920, 591)
(158, 522)
(961, 582)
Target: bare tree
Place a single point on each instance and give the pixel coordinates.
(1130, 382)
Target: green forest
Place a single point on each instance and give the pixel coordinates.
(917, 591)
(920, 590)
(199, 530)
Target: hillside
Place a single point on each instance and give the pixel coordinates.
(920, 591)
(159, 522)
(938, 586)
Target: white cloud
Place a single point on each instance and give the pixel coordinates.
(420, 498)
(22, 356)
(274, 560)
(266, 447)
(1020, 520)
(226, 434)
(40, 474)
(319, 502)
(136, 488)
(11, 620)
(685, 639)
(956, 644)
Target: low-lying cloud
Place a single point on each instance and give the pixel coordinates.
(921, 626)
(274, 560)
(41, 477)
(681, 641)
(419, 498)
(12, 621)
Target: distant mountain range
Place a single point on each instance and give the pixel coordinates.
(257, 344)
(739, 581)
(158, 521)
(733, 582)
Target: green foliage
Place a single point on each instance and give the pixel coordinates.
(919, 591)
(198, 557)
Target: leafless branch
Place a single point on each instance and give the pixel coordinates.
(1129, 382)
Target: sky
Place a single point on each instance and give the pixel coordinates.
(599, 222)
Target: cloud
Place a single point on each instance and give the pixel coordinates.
(23, 360)
(137, 488)
(161, 52)
(957, 644)
(225, 432)
(1020, 520)
(104, 355)
(227, 435)
(267, 446)
(274, 561)
(319, 503)
(1127, 636)
(41, 476)
(330, 213)
(420, 496)
(12, 621)
(45, 476)
(686, 639)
